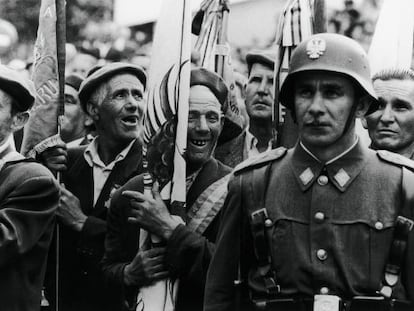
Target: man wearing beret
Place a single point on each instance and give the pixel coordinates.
(328, 224)
(113, 97)
(29, 197)
(187, 248)
(258, 93)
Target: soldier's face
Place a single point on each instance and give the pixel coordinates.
(391, 127)
(259, 92)
(323, 102)
(121, 112)
(6, 118)
(205, 122)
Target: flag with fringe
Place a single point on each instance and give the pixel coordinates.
(213, 50)
(41, 130)
(165, 130)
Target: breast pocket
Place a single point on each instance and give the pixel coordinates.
(362, 248)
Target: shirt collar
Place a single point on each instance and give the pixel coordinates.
(7, 147)
(341, 170)
(92, 157)
(251, 141)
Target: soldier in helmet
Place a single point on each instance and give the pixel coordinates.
(325, 225)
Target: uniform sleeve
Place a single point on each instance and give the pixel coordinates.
(25, 215)
(220, 291)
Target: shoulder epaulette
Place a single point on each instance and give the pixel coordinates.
(396, 159)
(272, 155)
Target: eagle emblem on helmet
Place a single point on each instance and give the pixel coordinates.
(315, 48)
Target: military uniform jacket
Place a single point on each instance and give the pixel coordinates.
(332, 226)
(28, 200)
(188, 253)
(81, 281)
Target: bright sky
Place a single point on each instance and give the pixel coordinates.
(130, 12)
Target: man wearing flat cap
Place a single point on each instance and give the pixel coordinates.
(29, 197)
(113, 97)
(258, 93)
(187, 248)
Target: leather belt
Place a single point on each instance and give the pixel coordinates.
(333, 303)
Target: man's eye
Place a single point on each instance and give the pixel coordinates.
(401, 106)
(304, 93)
(332, 93)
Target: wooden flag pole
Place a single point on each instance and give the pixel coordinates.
(61, 61)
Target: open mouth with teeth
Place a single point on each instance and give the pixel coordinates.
(130, 120)
(199, 143)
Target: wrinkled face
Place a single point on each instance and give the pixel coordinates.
(121, 112)
(259, 92)
(205, 122)
(391, 127)
(6, 118)
(323, 102)
(74, 119)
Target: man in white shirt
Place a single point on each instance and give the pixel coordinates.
(113, 97)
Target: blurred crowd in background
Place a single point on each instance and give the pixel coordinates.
(96, 39)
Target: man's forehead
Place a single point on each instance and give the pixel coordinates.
(395, 88)
(125, 80)
(201, 96)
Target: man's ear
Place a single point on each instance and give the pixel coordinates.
(92, 110)
(363, 106)
(19, 120)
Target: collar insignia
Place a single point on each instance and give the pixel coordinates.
(315, 48)
(342, 177)
(306, 176)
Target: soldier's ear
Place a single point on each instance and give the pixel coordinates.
(363, 106)
(19, 120)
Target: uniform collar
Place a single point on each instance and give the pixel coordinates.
(340, 171)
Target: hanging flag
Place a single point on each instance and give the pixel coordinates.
(41, 130)
(210, 25)
(165, 129)
(392, 43)
(299, 20)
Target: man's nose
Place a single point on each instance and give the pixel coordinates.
(317, 105)
(264, 86)
(132, 103)
(202, 124)
(387, 115)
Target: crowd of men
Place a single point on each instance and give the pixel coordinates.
(325, 225)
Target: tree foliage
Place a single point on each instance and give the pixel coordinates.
(24, 14)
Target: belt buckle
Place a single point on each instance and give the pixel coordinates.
(326, 303)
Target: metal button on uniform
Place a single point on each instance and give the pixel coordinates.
(268, 222)
(379, 225)
(324, 291)
(322, 254)
(319, 217)
(322, 180)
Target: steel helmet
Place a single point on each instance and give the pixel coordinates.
(328, 52)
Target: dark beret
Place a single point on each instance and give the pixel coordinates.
(211, 80)
(207, 78)
(265, 57)
(103, 74)
(17, 86)
(74, 80)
